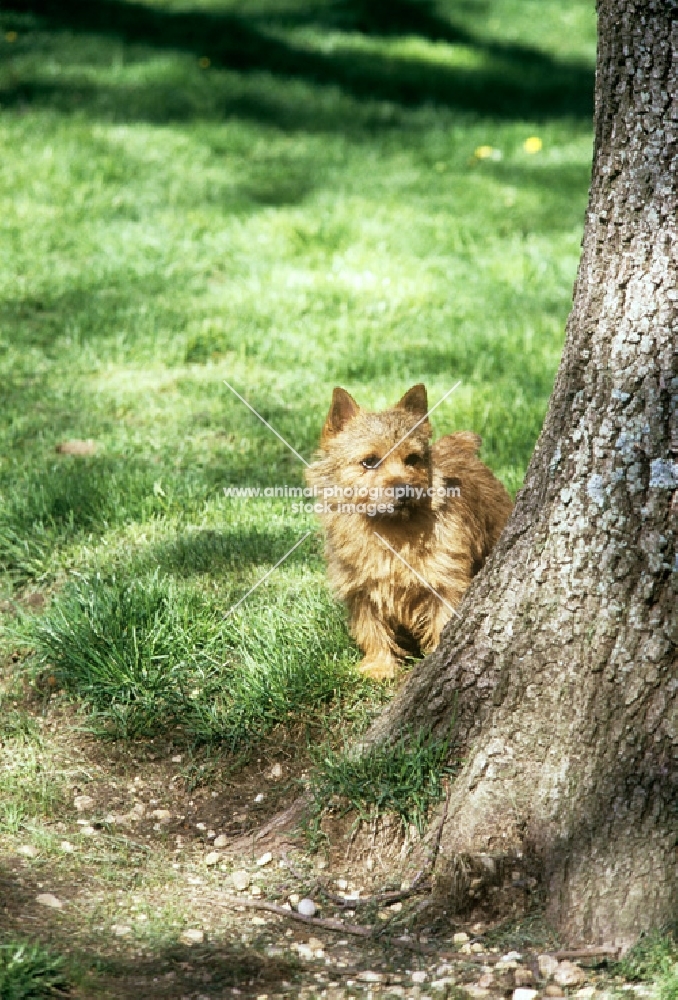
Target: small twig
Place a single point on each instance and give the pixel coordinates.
(338, 926)
(586, 952)
(326, 923)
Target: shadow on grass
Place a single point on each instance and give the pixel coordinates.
(174, 970)
(165, 968)
(508, 81)
(208, 551)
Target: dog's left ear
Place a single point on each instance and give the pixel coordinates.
(343, 409)
(415, 401)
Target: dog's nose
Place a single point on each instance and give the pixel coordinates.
(401, 491)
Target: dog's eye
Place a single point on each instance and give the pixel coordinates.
(413, 459)
(371, 462)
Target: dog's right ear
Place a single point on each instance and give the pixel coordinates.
(342, 409)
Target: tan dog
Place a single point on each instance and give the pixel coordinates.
(403, 520)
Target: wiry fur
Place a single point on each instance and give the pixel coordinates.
(445, 540)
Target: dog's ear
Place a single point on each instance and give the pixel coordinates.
(342, 409)
(415, 401)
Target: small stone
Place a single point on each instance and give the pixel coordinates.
(477, 949)
(240, 880)
(28, 851)
(259, 921)
(547, 966)
(307, 908)
(221, 840)
(486, 981)
(419, 977)
(395, 907)
(211, 834)
(524, 994)
(213, 858)
(121, 930)
(265, 859)
(47, 899)
(369, 864)
(88, 830)
(460, 938)
(255, 890)
(511, 956)
(77, 447)
(260, 797)
(321, 864)
(83, 802)
(384, 915)
(523, 977)
(466, 949)
(193, 936)
(201, 826)
(569, 974)
(370, 977)
(294, 898)
(341, 883)
(176, 759)
(553, 991)
(276, 772)
(162, 815)
(66, 847)
(314, 943)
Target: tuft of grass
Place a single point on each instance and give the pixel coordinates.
(148, 655)
(30, 972)
(129, 648)
(403, 778)
(654, 956)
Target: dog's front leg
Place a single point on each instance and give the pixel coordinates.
(383, 656)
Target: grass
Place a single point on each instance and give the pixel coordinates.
(150, 656)
(29, 972)
(653, 957)
(403, 779)
(30, 781)
(286, 196)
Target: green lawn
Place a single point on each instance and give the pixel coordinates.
(288, 196)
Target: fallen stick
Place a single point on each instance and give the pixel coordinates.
(282, 911)
(586, 953)
(339, 927)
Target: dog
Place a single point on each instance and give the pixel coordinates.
(408, 524)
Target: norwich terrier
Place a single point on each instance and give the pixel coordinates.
(408, 524)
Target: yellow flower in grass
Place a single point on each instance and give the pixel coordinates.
(484, 152)
(533, 144)
(11, 36)
(204, 63)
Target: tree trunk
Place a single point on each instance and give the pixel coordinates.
(561, 676)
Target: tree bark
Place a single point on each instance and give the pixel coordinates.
(561, 677)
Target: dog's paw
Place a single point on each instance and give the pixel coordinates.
(379, 668)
